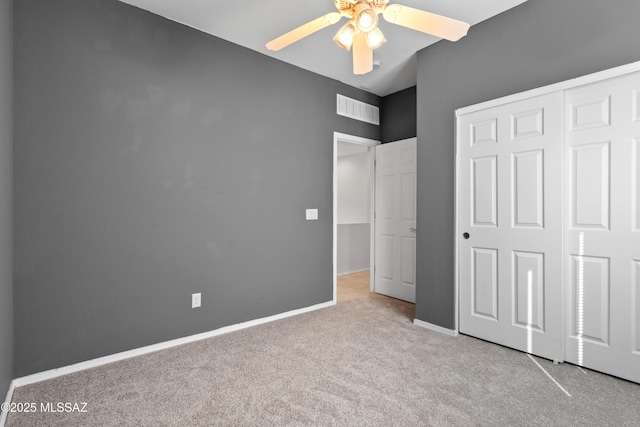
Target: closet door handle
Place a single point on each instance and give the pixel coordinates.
(465, 235)
(413, 230)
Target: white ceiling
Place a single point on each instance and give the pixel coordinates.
(252, 23)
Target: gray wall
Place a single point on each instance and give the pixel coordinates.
(538, 43)
(6, 207)
(153, 161)
(398, 116)
(353, 247)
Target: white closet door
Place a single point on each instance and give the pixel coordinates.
(602, 261)
(510, 225)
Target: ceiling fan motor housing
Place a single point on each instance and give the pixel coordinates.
(348, 7)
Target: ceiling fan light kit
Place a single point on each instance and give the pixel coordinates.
(366, 18)
(375, 38)
(362, 32)
(344, 36)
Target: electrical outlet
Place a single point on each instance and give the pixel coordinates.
(196, 300)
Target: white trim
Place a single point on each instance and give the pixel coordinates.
(436, 328)
(556, 87)
(3, 414)
(456, 230)
(352, 139)
(372, 217)
(58, 372)
(344, 273)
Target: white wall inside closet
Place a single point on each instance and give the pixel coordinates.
(354, 207)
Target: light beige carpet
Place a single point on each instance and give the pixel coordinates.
(360, 363)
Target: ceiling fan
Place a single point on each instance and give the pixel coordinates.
(362, 32)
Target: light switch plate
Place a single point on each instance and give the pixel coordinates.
(312, 214)
(196, 300)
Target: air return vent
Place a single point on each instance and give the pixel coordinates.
(357, 110)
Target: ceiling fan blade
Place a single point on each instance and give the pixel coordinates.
(362, 54)
(303, 31)
(430, 23)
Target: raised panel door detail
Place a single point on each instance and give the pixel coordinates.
(408, 156)
(387, 159)
(386, 258)
(591, 192)
(387, 197)
(528, 289)
(527, 124)
(484, 191)
(408, 188)
(591, 114)
(528, 189)
(591, 312)
(408, 248)
(484, 132)
(484, 282)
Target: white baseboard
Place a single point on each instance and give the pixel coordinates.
(353, 271)
(431, 326)
(3, 414)
(81, 366)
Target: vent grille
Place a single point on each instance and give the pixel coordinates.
(358, 110)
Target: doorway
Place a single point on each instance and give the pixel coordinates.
(375, 211)
(353, 206)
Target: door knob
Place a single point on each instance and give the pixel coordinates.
(465, 235)
(413, 230)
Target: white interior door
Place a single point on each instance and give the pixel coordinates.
(510, 225)
(395, 220)
(602, 264)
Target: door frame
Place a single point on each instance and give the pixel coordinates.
(544, 90)
(370, 143)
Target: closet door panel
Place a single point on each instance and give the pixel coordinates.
(602, 239)
(510, 246)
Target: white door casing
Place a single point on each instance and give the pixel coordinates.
(509, 201)
(352, 139)
(395, 219)
(602, 237)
